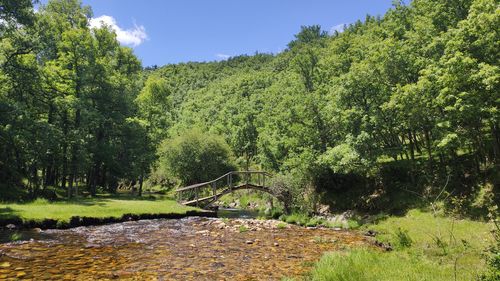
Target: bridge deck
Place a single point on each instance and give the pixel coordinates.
(224, 192)
(229, 181)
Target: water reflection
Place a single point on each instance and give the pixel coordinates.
(7, 235)
(237, 213)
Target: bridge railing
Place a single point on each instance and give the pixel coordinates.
(229, 180)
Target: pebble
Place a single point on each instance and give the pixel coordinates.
(249, 242)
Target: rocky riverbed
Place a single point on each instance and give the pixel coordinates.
(181, 249)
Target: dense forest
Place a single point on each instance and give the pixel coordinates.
(400, 104)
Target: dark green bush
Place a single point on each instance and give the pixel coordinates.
(195, 157)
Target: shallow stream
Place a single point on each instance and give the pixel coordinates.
(183, 249)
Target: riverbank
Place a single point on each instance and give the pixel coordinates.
(424, 247)
(92, 211)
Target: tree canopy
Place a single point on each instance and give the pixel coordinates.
(418, 86)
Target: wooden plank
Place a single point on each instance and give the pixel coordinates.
(199, 200)
(227, 191)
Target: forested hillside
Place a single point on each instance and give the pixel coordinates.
(396, 106)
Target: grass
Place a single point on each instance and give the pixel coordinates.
(95, 207)
(363, 264)
(281, 225)
(245, 198)
(427, 247)
(242, 229)
(303, 219)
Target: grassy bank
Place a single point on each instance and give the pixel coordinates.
(100, 207)
(425, 247)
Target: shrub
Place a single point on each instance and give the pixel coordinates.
(296, 218)
(195, 157)
(493, 258)
(315, 222)
(403, 239)
(281, 225)
(353, 224)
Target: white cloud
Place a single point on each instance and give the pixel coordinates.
(338, 28)
(133, 37)
(222, 56)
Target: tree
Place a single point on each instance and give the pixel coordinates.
(308, 35)
(195, 157)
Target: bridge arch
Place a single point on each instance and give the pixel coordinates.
(226, 184)
(241, 187)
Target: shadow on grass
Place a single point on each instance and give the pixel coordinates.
(7, 213)
(104, 199)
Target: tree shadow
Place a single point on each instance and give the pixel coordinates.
(103, 199)
(7, 213)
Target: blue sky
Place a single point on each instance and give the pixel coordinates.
(171, 31)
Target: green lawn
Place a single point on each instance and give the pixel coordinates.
(426, 247)
(95, 207)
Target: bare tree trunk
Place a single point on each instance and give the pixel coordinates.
(429, 149)
(141, 180)
(65, 151)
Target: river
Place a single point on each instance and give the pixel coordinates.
(183, 249)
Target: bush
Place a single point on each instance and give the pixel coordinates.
(281, 225)
(289, 190)
(195, 157)
(315, 222)
(403, 238)
(295, 218)
(493, 257)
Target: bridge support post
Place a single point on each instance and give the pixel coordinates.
(214, 187)
(196, 196)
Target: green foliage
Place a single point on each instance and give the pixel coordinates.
(72, 118)
(315, 221)
(242, 228)
(403, 238)
(281, 225)
(493, 255)
(353, 224)
(308, 35)
(297, 218)
(195, 157)
(391, 104)
(343, 158)
(16, 236)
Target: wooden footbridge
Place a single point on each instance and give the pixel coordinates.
(206, 193)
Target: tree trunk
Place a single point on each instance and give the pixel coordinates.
(65, 151)
(429, 149)
(141, 180)
(495, 143)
